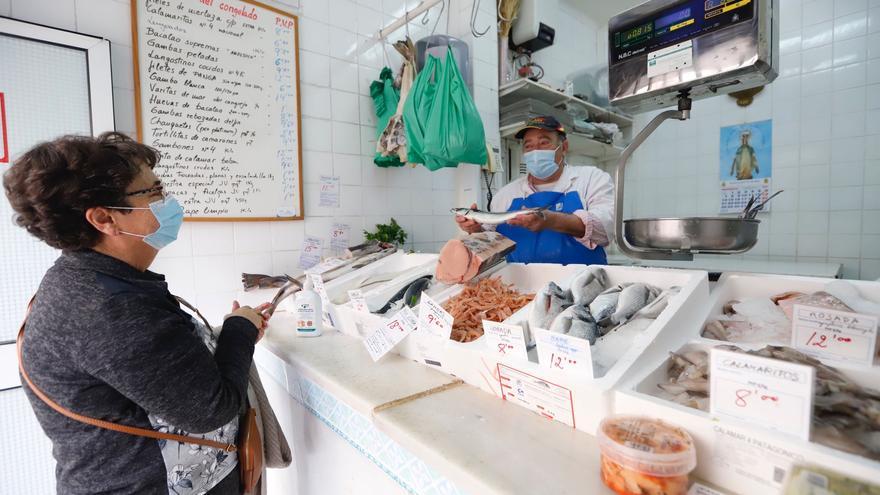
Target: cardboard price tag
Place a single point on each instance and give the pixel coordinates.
(389, 334)
(834, 335)
(435, 326)
(358, 301)
(505, 341)
(562, 352)
(318, 285)
(764, 391)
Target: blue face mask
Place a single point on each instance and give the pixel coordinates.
(541, 163)
(169, 213)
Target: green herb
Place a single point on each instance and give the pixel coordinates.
(392, 233)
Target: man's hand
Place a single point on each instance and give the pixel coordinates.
(534, 222)
(468, 225)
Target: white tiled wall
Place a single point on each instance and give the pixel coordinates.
(338, 63)
(826, 143)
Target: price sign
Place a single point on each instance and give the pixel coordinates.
(329, 192)
(834, 335)
(759, 390)
(312, 249)
(506, 341)
(339, 234)
(358, 301)
(435, 326)
(390, 333)
(318, 285)
(565, 353)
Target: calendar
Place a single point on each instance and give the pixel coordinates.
(736, 194)
(746, 167)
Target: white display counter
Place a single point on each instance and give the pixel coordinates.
(458, 439)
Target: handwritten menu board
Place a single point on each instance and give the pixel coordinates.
(217, 93)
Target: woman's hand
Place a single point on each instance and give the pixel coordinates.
(256, 316)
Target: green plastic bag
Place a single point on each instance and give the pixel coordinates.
(443, 126)
(454, 129)
(385, 99)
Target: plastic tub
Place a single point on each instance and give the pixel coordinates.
(645, 456)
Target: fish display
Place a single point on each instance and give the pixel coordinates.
(490, 218)
(409, 295)
(577, 321)
(487, 299)
(588, 284)
(549, 303)
(764, 320)
(605, 304)
(846, 415)
(371, 281)
(632, 299)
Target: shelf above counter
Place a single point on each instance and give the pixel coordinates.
(525, 88)
(578, 144)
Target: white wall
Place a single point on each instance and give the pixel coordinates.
(205, 263)
(825, 107)
(575, 46)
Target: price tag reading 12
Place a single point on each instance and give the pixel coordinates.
(760, 390)
(564, 353)
(834, 335)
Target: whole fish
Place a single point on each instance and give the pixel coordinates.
(577, 321)
(549, 303)
(489, 218)
(632, 298)
(408, 295)
(588, 284)
(605, 304)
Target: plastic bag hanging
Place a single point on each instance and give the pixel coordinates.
(385, 99)
(443, 126)
(392, 139)
(455, 129)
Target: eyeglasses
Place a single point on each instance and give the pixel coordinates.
(149, 191)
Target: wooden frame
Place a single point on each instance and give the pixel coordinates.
(138, 111)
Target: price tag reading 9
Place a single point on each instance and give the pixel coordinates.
(434, 321)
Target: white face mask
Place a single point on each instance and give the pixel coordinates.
(541, 163)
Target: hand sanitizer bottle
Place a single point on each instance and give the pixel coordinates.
(308, 311)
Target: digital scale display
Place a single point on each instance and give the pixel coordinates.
(686, 20)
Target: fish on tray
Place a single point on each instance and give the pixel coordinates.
(605, 304)
(846, 415)
(409, 295)
(632, 299)
(549, 303)
(577, 321)
(588, 284)
(490, 218)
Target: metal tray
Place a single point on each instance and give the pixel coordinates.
(721, 235)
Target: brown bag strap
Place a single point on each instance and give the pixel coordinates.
(131, 430)
(196, 311)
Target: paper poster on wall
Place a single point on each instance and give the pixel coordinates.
(745, 164)
(4, 143)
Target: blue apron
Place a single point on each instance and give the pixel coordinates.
(548, 246)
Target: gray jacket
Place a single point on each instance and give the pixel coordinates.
(108, 341)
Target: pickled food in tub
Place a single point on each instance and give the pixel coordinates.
(645, 456)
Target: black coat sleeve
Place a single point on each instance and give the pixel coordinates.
(150, 354)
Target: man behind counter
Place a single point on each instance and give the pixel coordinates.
(579, 201)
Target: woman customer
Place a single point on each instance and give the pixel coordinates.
(106, 339)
